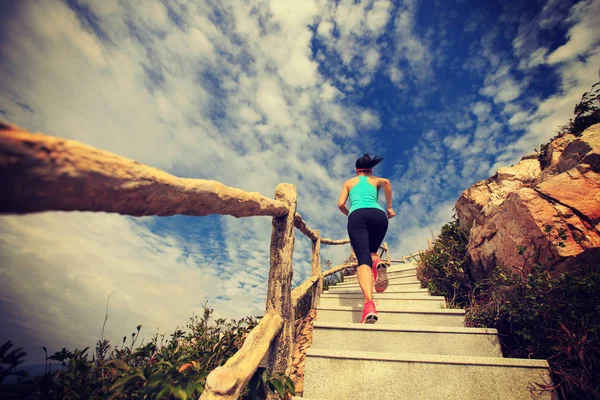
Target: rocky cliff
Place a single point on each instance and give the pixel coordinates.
(544, 209)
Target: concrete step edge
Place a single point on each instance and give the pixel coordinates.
(389, 290)
(352, 296)
(443, 311)
(354, 277)
(413, 271)
(390, 282)
(428, 358)
(405, 328)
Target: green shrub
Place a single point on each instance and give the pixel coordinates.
(444, 269)
(164, 368)
(547, 316)
(538, 314)
(587, 113)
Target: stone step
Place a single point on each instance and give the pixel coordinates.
(428, 317)
(391, 284)
(387, 304)
(390, 274)
(390, 290)
(402, 278)
(345, 374)
(385, 295)
(401, 267)
(406, 339)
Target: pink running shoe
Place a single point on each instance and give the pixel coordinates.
(380, 276)
(369, 314)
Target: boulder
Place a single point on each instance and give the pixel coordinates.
(551, 214)
(528, 222)
(585, 149)
(578, 189)
(551, 153)
(480, 200)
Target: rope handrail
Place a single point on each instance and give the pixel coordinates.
(39, 172)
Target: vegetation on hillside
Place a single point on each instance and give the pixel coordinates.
(164, 368)
(538, 314)
(586, 114)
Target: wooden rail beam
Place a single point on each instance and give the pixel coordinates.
(316, 269)
(41, 173)
(337, 269)
(302, 289)
(334, 242)
(302, 227)
(228, 381)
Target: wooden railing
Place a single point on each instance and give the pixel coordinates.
(43, 173)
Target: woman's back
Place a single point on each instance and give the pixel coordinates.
(363, 192)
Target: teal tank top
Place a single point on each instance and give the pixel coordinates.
(363, 195)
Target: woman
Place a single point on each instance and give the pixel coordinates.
(367, 226)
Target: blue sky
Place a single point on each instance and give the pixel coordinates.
(253, 94)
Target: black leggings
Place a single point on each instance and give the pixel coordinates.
(366, 228)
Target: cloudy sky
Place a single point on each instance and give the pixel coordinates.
(252, 94)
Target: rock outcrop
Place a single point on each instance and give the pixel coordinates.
(544, 209)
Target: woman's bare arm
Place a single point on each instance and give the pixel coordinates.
(387, 189)
(342, 200)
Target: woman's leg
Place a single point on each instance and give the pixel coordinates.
(378, 224)
(365, 281)
(359, 239)
(374, 257)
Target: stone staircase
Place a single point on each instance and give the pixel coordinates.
(417, 350)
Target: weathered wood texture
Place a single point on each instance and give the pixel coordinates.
(337, 269)
(41, 173)
(316, 269)
(334, 242)
(299, 292)
(228, 381)
(387, 253)
(279, 297)
(301, 225)
(310, 233)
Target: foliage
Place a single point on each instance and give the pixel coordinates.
(539, 313)
(444, 269)
(165, 368)
(587, 113)
(549, 316)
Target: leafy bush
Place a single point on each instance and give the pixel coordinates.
(587, 113)
(538, 314)
(548, 316)
(444, 269)
(175, 368)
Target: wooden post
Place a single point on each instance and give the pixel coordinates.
(404, 259)
(279, 293)
(387, 253)
(316, 269)
(428, 244)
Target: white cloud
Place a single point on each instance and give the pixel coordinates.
(481, 110)
(358, 26)
(456, 142)
(325, 28)
(502, 88)
(410, 47)
(242, 103)
(59, 268)
(583, 35)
